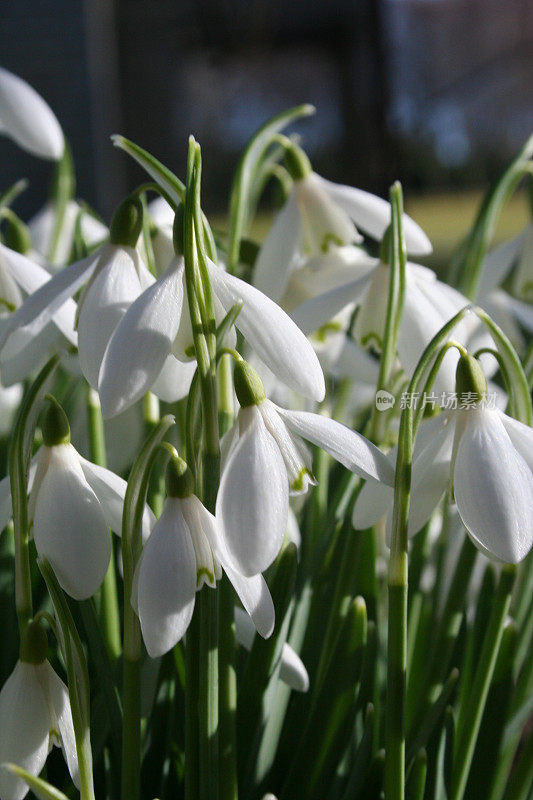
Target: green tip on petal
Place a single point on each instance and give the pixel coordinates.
(248, 385)
(34, 644)
(17, 235)
(55, 427)
(297, 162)
(179, 480)
(177, 231)
(127, 222)
(470, 378)
(384, 249)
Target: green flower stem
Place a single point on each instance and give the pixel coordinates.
(467, 734)
(227, 676)
(78, 681)
(398, 581)
(202, 685)
(397, 260)
(108, 611)
(62, 191)
(156, 488)
(134, 502)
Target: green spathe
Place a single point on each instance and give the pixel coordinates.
(297, 162)
(16, 234)
(34, 644)
(127, 222)
(470, 378)
(248, 385)
(55, 427)
(179, 480)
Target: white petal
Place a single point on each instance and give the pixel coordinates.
(201, 524)
(373, 215)
(354, 362)
(69, 527)
(320, 309)
(42, 305)
(348, 447)
(110, 490)
(58, 697)
(292, 670)
(370, 321)
(323, 222)
(297, 458)
(493, 488)
(430, 475)
(498, 263)
(139, 347)
(167, 581)
(24, 727)
(27, 351)
(521, 436)
(5, 502)
(256, 598)
(174, 380)
(373, 502)
(113, 289)
(279, 252)
(273, 335)
(28, 119)
(252, 502)
(31, 276)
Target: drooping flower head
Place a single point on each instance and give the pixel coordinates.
(35, 715)
(185, 551)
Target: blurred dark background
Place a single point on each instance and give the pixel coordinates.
(436, 92)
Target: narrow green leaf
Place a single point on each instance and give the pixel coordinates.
(172, 188)
(40, 788)
(363, 757)
(432, 717)
(416, 782)
(243, 184)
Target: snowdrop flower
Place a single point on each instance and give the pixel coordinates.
(113, 276)
(27, 119)
(73, 504)
(157, 329)
(42, 228)
(20, 275)
(185, 551)
(34, 715)
(291, 670)
(485, 457)
(500, 261)
(428, 305)
(265, 461)
(318, 216)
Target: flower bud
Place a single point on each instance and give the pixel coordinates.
(470, 378)
(34, 644)
(17, 235)
(297, 162)
(127, 222)
(179, 480)
(55, 427)
(248, 385)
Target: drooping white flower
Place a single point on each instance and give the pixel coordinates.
(73, 504)
(319, 217)
(265, 460)
(157, 329)
(42, 229)
(292, 670)
(428, 305)
(35, 715)
(185, 551)
(486, 458)
(113, 276)
(25, 352)
(27, 119)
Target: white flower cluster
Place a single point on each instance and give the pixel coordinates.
(133, 334)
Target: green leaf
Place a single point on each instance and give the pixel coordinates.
(172, 188)
(416, 782)
(518, 384)
(242, 191)
(40, 788)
